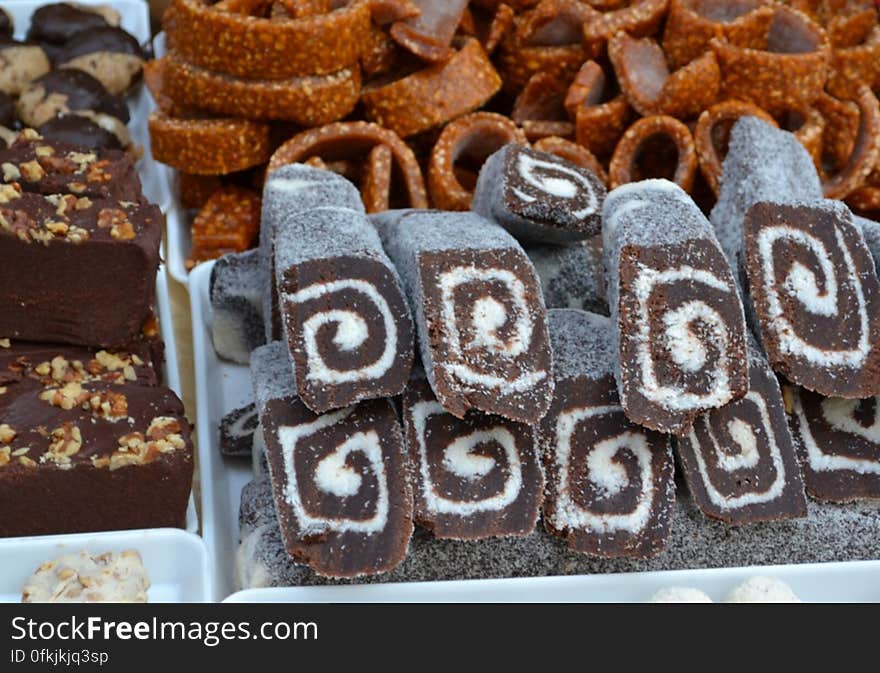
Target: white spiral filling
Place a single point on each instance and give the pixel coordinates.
(459, 459)
(609, 476)
(746, 437)
(488, 315)
(838, 413)
(352, 331)
(556, 180)
(683, 345)
(333, 476)
(803, 285)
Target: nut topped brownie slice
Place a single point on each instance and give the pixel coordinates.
(89, 443)
(78, 270)
(47, 166)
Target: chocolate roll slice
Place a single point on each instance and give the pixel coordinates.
(739, 461)
(816, 296)
(341, 489)
(63, 91)
(343, 311)
(237, 302)
(481, 317)
(763, 163)
(838, 441)
(680, 334)
(539, 197)
(610, 487)
(473, 478)
(572, 276)
(237, 430)
(288, 191)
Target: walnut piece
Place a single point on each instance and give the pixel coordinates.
(7, 434)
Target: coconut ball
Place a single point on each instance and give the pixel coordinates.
(680, 595)
(762, 590)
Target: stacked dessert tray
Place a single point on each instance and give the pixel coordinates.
(176, 560)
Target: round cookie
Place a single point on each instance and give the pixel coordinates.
(109, 54)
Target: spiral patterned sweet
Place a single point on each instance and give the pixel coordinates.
(473, 478)
(344, 314)
(609, 482)
(340, 484)
(681, 329)
(839, 445)
(816, 295)
(479, 310)
(739, 461)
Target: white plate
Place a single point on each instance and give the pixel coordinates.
(857, 581)
(136, 20)
(176, 562)
(220, 387)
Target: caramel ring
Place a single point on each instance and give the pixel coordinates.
(348, 140)
(308, 101)
(865, 152)
(434, 95)
(209, 146)
(250, 46)
(704, 135)
(479, 134)
(626, 154)
(574, 153)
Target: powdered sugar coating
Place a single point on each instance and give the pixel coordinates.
(763, 163)
(583, 344)
(680, 595)
(271, 373)
(237, 301)
(829, 533)
(762, 590)
(572, 276)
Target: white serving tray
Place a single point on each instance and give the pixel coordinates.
(220, 387)
(136, 20)
(856, 581)
(176, 562)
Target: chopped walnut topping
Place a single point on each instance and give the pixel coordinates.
(7, 434)
(27, 462)
(4, 343)
(32, 171)
(123, 232)
(2, 390)
(110, 361)
(22, 451)
(30, 134)
(82, 159)
(128, 373)
(77, 235)
(57, 228)
(42, 235)
(70, 396)
(150, 327)
(62, 203)
(10, 172)
(134, 358)
(9, 193)
(77, 187)
(163, 436)
(44, 151)
(66, 441)
(4, 456)
(83, 202)
(163, 426)
(109, 405)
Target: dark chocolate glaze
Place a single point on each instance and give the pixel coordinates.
(758, 479)
(338, 553)
(83, 92)
(81, 131)
(56, 23)
(105, 38)
(587, 393)
(442, 429)
(7, 110)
